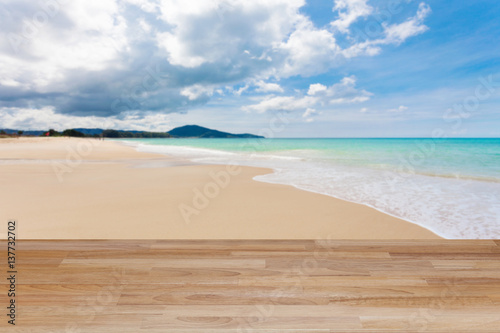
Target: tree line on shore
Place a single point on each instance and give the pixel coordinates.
(104, 134)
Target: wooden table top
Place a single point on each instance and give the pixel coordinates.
(254, 286)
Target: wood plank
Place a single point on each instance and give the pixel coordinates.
(171, 263)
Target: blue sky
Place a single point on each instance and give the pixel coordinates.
(343, 68)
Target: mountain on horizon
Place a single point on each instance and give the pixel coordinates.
(195, 131)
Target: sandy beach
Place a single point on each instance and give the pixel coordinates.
(69, 188)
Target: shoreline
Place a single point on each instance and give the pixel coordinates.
(111, 190)
(357, 203)
(131, 143)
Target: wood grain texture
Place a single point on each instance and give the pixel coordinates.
(255, 286)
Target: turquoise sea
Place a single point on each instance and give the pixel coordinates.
(450, 186)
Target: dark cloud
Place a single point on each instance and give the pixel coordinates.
(140, 78)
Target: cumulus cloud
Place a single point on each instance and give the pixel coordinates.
(114, 57)
(316, 88)
(309, 51)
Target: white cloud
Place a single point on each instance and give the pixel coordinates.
(46, 118)
(38, 60)
(395, 34)
(145, 5)
(344, 92)
(145, 26)
(398, 33)
(308, 51)
(277, 103)
(309, 112)
(267, 87)
(316, 87)
(238, 91)
(221, 31)
(178, 52)
(401, 108)
(349, 11)
(196, 91)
